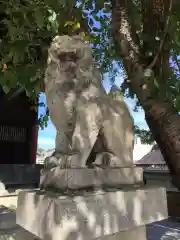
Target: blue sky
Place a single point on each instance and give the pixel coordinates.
(46, 137)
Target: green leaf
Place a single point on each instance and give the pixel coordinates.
(97, 39)
(91, 22)
(96, 18)
(40, 19)
(46, 118)
(96, 29)
(41, 104)
(76, 26)
(5, 88)
(69, 23)
(156, 83)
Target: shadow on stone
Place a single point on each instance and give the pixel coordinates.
(89, 215)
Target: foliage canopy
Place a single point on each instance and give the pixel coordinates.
(27, 27)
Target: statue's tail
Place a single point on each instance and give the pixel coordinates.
(116, 94)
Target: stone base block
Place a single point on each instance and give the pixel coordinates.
(88, 216)
(86, 177)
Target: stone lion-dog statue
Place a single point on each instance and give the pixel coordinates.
(93, 127)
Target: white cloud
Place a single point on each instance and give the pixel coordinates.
(46, 143)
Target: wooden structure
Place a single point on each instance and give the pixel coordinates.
(18, 131)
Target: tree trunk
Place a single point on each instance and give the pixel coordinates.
(165, 127)
(161, 116)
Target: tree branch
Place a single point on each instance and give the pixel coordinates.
(153, 63)
(128, 45)
(123, 28)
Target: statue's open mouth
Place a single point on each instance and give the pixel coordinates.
(68, 56)
(68, 60)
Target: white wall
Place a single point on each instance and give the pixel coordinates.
(140, 149)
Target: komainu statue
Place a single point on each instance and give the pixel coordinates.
(93, 127)
(89, 187)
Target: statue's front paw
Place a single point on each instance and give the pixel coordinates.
(51, 162)
(54, 161)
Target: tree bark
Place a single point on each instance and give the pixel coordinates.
(161, 116)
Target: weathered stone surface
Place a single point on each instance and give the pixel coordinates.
(76, 178)
(91, 125)
(9, 230)
(89, 216)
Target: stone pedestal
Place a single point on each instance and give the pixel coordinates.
(118, 214)
(78, 178)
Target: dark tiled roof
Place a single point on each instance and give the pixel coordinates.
(153, 160)
(154, 157)
(162, 167)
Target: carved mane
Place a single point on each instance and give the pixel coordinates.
(71, 54)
